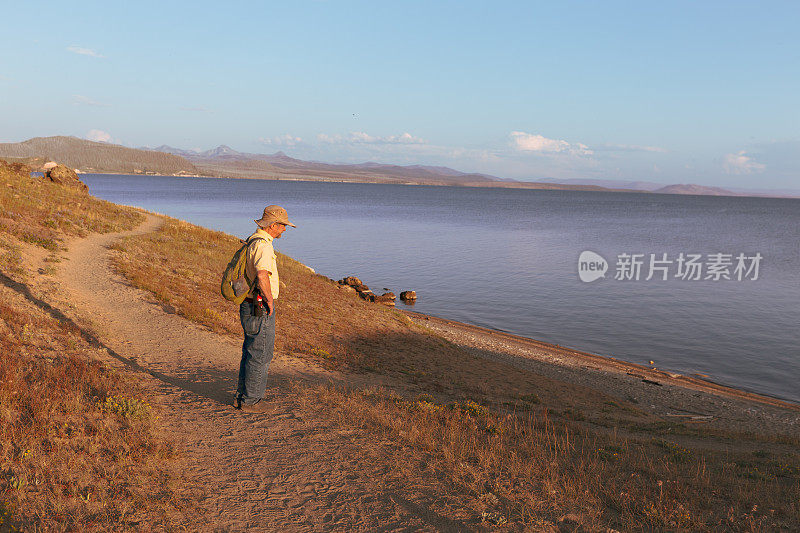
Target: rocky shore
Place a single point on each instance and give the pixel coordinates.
(666, 394)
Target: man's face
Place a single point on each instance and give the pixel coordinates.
(276, 229)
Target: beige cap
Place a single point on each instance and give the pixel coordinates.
(274, 213)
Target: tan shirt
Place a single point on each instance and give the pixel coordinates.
(262, 257)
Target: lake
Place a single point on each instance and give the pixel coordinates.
(507, 259)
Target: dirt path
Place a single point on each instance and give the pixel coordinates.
(285, 471)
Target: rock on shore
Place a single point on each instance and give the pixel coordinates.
(352, 283)
(63, 175)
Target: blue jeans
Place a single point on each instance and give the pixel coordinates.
(259, 342)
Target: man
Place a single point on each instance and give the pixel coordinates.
(258, 325)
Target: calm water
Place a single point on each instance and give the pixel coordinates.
(508, 260)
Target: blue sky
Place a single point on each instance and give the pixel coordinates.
(701, 92)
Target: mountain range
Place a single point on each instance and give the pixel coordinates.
(224, 161)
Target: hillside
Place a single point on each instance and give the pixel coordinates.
(89, 156)
(81, 447)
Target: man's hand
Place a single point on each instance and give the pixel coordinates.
(266, 290)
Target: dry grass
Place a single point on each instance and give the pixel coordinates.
(80, 447)
(519, 447)
(38, 212)
(10, 256)
(526, 471)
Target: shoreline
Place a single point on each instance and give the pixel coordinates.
(609, 364)
(675, 398)
(532, 185)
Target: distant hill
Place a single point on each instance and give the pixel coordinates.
(89, 156)
(786, 193)
(649, 186)
(609, 184)
(689, 188)
(225, 161)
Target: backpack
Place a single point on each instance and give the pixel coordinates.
(235, 285)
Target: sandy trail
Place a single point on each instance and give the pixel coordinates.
(284, 471)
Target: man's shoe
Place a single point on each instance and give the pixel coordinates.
(258, 407)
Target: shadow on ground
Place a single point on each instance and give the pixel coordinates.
(208, 382)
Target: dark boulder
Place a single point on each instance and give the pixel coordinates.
(408, 295)
(367, 295)
(350, 280)
(385, 299)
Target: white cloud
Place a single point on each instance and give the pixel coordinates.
(281, 140)
(741, 163)
(531, 142)
(101, 137)
(84, 51)
(360, 137)
(79, 99)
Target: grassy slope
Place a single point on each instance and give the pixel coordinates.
(517, 448)
(38, 212)
(79, 444)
